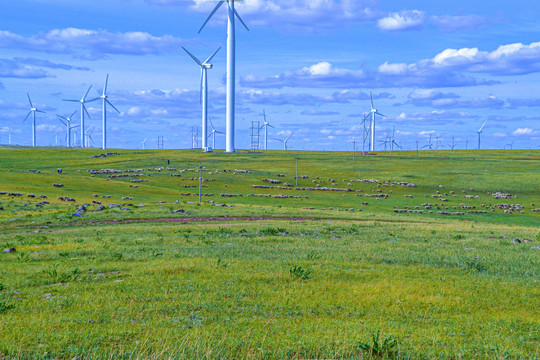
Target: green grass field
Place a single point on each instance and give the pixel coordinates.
(417, 249)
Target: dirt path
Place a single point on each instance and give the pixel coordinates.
(201, 219)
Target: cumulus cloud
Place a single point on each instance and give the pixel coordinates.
(403, 21)
(524, 132)
(449, 68)
(290, 15)
(91, 44)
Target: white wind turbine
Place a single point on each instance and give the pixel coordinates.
(88, 134)
(33, 111)
(266, 124)
(204, 92)
(285, 141)
(83, 110)
(144, 142)
(213, 134)
(67, 122)
(231, 67)
(373, 113)
(479, 132)
(106, 101)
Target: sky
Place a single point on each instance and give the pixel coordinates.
(437, 70)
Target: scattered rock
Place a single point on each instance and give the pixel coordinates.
(516, 240)
(9, 250)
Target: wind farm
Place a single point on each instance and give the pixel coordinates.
(343, 180)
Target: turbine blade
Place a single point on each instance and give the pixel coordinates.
(192, 56)
(72, 100)
(27, 115)
(72, 114)
(239, 18)
(371, 97)
(61, 117)
(94, 99)
(378, 113)
(480, 130)
(62, 121)
(106, 82)
(39, 111)
(288, 137)
(30, 101)
(211, 124)
(108, 102)
(211, 56)
(86, 111)
(271, 126)
(87, 91)
(211, 14)
(75, 126)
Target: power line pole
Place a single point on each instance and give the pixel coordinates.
(161, 142)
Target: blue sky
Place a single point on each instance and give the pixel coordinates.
(436, 69)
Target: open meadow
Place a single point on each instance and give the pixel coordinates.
(435, 256)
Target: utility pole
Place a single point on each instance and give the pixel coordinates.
(160, 142)
(200, 168)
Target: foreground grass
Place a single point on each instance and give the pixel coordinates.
(317, 285)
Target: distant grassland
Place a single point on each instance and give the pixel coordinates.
(317, 274)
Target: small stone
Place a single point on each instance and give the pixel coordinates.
(9, 250)
(516, 240)
(47, 296)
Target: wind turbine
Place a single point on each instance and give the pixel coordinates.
(67, 122)
(511, 145)
(82, 101)
(479, 132)
(204, 92)
(285, 141)
(144, 142)
(373, 113)
(266, 124)
(213, 134)
(106, 101)
(88, 134)
(33, 111)
(231, 66)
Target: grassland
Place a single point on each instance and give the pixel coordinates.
(297, 271)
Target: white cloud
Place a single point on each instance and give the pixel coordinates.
(403, 20)
(92, 44)
(524, 132)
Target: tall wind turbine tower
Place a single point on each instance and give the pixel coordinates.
(83, 110)
(106, 101)
(231, 67)
(479, 132)
(33, 111)
(204, 92)
(266, 124)
(373, 113)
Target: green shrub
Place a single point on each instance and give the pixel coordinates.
(381, 348)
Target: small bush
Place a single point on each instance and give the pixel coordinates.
(5, 307)
(380, 348)
(270, 231)
(298, 272)
(313, 255)
(117, 256)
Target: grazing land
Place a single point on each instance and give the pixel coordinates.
(435, 256)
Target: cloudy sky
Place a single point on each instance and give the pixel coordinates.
(436, 69)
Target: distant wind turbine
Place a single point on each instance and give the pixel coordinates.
(82, 101)
(285, 141)
(144, 142)
(33, 111)
(106, 101)
(213, 134)
(231, 67)
(266, 124)
(373, 113)
(204, 92)
(67, 122)
(511, 145)
(479, 132)
(88, 134)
